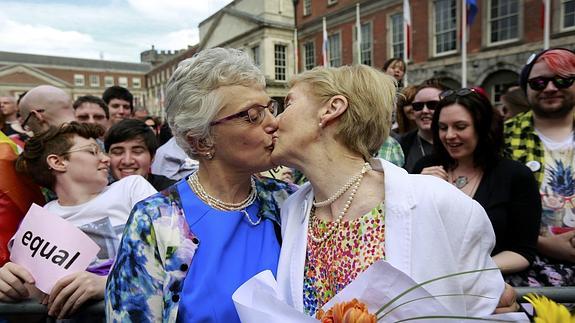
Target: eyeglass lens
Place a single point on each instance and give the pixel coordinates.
(418, 106)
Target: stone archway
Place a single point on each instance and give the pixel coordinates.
(496, 83)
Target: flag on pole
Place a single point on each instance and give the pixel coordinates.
(471, 11)
(406, 30)
(324, 45)
(358, 32)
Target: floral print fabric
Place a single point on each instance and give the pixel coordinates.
(335, 262)
(156, 251)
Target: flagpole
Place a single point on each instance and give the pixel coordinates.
(546, 23)
(295, 51)
(324, 45)
(358, 32)
(406, 16)
(464, 44)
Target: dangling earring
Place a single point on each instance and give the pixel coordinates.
(209, 155)
(320, 125)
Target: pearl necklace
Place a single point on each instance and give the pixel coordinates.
(366, 167)
(346, 206)
(196, 186)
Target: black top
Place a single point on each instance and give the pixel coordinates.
(160, 182)
(414, 148)
(510, 196)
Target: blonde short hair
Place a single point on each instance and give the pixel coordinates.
(371, 94)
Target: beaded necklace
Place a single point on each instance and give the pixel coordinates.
(196, 186)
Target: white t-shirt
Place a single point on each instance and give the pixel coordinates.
(558, 186)
(103, 218)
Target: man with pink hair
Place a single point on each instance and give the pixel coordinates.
(544, 140)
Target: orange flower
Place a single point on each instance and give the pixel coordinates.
(347, 312)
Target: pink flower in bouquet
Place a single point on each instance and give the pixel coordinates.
(347, 312)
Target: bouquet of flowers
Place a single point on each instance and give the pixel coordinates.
(382, 293)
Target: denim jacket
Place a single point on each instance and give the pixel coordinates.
(156, 251)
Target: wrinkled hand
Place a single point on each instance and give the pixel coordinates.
(507, 301)
(558, 246)
(13, 279)
(436, 171)
(72, 291)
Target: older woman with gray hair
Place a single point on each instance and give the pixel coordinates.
(186, 249)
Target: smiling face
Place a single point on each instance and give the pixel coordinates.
(297, 126)
(130, 157)
(550, 102)
(239, 144)
(423, 117)
(119, 110)
(86, 164)
(457, 132)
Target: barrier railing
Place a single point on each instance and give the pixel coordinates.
(96, 309)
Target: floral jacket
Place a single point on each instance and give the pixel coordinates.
(156, 251)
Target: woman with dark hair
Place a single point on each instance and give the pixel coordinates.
(467, 145)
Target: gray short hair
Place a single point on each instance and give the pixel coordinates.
(192, 99)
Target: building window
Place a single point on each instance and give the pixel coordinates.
(568, 14)
(94, 80)
(123, 81)
(79, 80)
(503, 20)
(445, 26)
(136, 82)
(309, 55)
(280, 61)
(306, 7)
(397, 40)
(366, 44)
(334, 50)
(108, 81)
(256, 54)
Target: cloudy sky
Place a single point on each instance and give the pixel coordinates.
(115, 29)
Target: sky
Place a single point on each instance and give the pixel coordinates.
(116, 30)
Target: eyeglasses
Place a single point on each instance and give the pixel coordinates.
(30, 114)
(431, 105)
(92, 149)
(540, 83)
(460, 92)
(255, 114)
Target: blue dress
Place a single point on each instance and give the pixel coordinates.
(231, 251)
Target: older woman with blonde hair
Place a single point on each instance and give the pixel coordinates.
(187, 249)
(357, 210)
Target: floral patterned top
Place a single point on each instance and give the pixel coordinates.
(156, 252)
(335, 262)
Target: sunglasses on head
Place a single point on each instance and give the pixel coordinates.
(418, 106)
(460, 92)
(540, 83)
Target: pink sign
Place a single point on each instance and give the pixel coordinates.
(51, 247)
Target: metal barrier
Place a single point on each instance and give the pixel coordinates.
(96, 309)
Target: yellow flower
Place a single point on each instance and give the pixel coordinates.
(547, 311)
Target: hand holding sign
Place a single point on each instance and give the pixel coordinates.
(13, 278)
(50, 248)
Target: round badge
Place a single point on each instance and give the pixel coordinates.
(533, 165)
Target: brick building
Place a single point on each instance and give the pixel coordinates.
(503, 35)
(20, 72)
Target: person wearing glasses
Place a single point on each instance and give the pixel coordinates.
(188, 248)
(467, 153)
(45, 106)
(68, 160)
(543, 140)
(356, 210)
(419, 142)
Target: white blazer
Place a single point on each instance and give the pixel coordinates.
(432, 229)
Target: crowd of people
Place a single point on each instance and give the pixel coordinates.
(185, 211)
